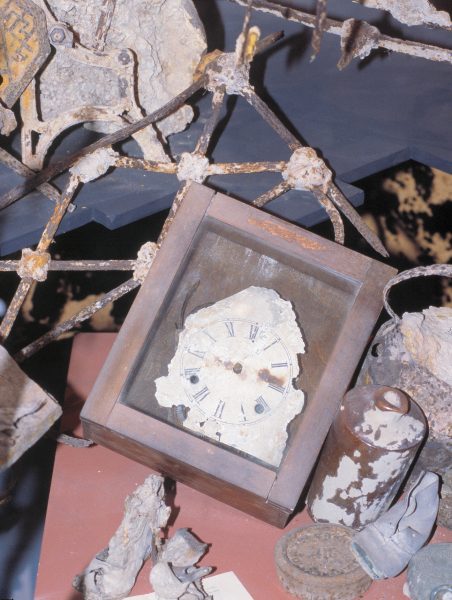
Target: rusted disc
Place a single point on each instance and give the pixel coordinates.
(316, 563)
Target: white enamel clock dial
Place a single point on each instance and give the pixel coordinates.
(233, 372)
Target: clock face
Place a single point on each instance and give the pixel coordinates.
(231, 378)
(232, 354)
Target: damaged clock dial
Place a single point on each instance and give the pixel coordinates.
(232, 377)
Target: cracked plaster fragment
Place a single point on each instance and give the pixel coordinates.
(94, 165)
(412, 12)
(145, 258)
(34, 264)
(166, 36)
(307, 171)
(192, 166)
(26, 411)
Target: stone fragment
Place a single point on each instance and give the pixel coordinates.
(26, 411)
(429, 573)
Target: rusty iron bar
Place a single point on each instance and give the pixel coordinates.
(412, 48)
(203, 142)
(130, 162)
(338, 198)
(43, 245)
(82, 315)
(333, 214)
(246, 167)
(269, 116)
(107, 140)
(320, 18)
(276, 191)
(58, 213)
(201, 148)
(127, 162)
(14, 307)
(16, 165)
(76, 265)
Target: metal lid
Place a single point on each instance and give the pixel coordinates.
(383, 417)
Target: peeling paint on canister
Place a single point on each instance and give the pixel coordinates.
(367, 454)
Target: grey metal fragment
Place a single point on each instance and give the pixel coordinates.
(384, 548)
(174, 576)
(113, 571)
(26, 411)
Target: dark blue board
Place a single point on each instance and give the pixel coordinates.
(370, 116)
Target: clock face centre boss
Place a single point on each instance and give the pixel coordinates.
(232, 376)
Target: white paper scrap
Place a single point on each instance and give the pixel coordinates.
(225, 586)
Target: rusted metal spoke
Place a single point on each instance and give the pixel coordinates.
(412, 48)
(76, 265)
(246, 167)
(84, 314)
(333, 214)
(269, 116)
(180, 195)
(347, 209)
(129, 162)
(279, 189)
(209, 126)
(320, 19)
(16, 165)
(58, 213)
(107, 140)
(14, 308)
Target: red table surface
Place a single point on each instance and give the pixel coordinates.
(86, 503)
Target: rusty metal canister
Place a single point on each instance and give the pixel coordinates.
(368, 451)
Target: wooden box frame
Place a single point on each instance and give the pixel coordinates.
(264, 492)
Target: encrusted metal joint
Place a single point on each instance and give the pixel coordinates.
(358, 39)
(33, 265)
(307, 171)
(94, 165)
(145, 258)
(225, 73)
(192, 166)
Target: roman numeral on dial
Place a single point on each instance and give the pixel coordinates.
(198, 353)
(277, 388)
(279, 365)
(219, 409)
(230, 327)
(253, 331)
(201, 394)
